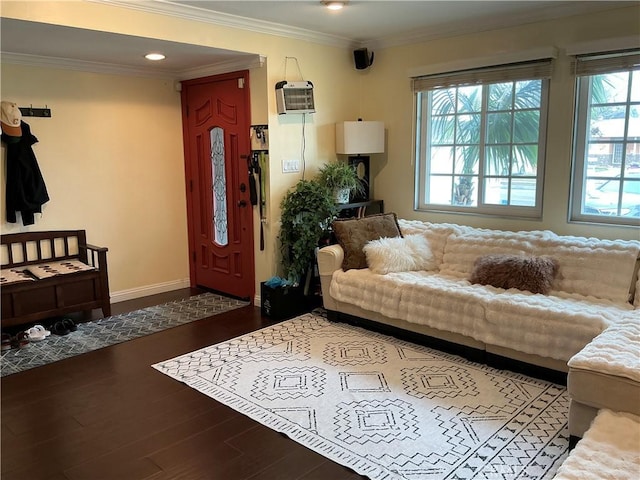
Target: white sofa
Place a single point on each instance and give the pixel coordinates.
(593, 290)
(605, 375)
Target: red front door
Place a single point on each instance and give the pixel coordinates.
(216, 137)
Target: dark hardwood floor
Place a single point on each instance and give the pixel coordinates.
(108, 415)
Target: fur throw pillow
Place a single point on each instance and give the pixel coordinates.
(354, 233)
(399, 254)
(534, 274)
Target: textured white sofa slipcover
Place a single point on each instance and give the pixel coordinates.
(593, 290)
(609, 450)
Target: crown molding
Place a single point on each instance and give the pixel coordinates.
(240, 63)
(246, 62)
(562, 10)
(188, 12)
(81, 65)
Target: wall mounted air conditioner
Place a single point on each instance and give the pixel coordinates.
(295, 97)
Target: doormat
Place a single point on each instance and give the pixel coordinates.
(385, 408)
(115, 329)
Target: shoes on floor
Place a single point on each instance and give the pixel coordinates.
(6, 342)
(64, 327)
(37, 333)
(21, 340)
(59, 328)
(43, 330)
(70, 324)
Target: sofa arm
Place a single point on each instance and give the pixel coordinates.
(329, 260)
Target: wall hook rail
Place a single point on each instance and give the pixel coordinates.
(30, 111)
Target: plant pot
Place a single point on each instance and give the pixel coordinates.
(281, 303)
(342, 195)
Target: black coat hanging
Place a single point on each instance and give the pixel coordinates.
(26, 191)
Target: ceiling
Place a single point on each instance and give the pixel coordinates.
(383, 22)
(370, 23)
(42, 44)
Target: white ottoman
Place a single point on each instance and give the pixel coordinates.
(610, 449)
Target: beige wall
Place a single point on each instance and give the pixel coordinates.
(112, 152)
(388, 83)
(111, 156)
(159, 259)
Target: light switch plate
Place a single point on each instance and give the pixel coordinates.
(290, 166)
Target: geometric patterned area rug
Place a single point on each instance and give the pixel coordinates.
(385, 408)
(115, 329)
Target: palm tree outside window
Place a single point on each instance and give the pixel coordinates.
(481, 140)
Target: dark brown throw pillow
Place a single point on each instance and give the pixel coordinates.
(534, 274)
(353, 234)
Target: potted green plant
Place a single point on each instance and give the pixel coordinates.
(307, 212)
(341, 179)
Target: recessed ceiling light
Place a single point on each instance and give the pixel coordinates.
(334, 5)
(154, 56)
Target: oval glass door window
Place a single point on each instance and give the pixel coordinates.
(219, 183)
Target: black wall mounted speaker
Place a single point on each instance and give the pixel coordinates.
(362, 58)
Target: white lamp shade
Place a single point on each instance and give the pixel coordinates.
(354, 138)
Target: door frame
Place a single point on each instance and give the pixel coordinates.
(244, 75)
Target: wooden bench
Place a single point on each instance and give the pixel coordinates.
(37, 299)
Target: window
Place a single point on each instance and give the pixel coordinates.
(606, 162)
(480, 140)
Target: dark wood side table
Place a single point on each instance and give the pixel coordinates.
(360, 209)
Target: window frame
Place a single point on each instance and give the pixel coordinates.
(422, 118)
(581, 137)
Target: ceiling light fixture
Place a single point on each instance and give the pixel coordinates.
(154, 56)
(334, 5)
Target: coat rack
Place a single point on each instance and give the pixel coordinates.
(257, 164)
(35, 112)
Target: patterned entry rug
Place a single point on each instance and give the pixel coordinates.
(383, 407)
(115, 329)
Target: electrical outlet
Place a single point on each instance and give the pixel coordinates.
(290, 166)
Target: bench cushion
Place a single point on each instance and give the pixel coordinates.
(42, 270)
(14, 275)
(52, 269)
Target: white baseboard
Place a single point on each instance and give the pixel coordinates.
(130, 294)
(257, 302)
